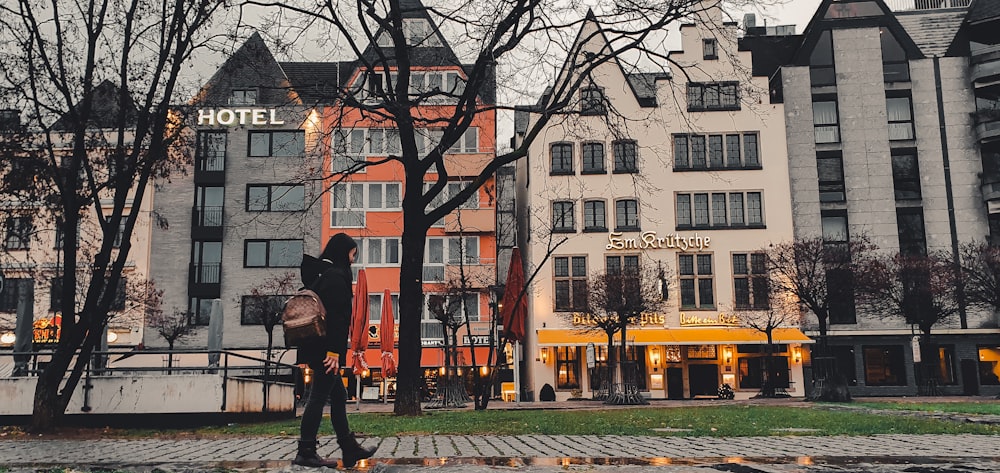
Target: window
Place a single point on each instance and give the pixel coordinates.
(730, 151)
(567, 367)
(462, 307)
(434, 260)
(910, 222)
(900, 118)
(594, 218)
(351, 146)
(272, 253)
(208, 205)
(830, 170)
(19, 230)
(562, 217)
(378, 251)
(467, 143)
(592, 101)
(625, 152)
(562, 158)
(895, 66)
(12, 288)
(946, 365)
(826, 124)
(455, 187)
(418, 32)
(844, 360)
(375, 307)
(256, 310)
(211, 154)
(709, 48)
(430, 326)
(821, 71)
(200, 310)
(463, 250)
(277, 143)
(275, 198)
(55, 294)
(593, 158)
(435, 86)
(61, 233)
(710, 210)
(834, 227)
(752, 370)
(696, 281)
(570, 277)
(243, 97)
(206, 261)
(626, 215)
(347, 205)
(905, 176)
(750, 281)
(615, 264)
(989, 365)
(120, 234)
(708, 96)
(840, 293)
(884, 365)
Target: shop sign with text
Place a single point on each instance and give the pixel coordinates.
(651, 241)
(238, 116)
(644, 319)
(728, 320)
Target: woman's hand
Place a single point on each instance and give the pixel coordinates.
(332, 363)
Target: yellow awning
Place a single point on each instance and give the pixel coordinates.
(673, 336)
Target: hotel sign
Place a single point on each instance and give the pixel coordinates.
(644, 319)
(650, 241)
(728, 320)
(238, 116)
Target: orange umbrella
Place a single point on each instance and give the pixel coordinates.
(359, 324)
(387, 337)
(514, 311)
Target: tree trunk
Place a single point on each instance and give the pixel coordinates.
(408, 379)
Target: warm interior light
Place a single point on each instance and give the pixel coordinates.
(8, 338)
(654, 356)
(727, 354)
(485, 370)
(544, 355)
(797, 354)
(443, 371)
(112, 337)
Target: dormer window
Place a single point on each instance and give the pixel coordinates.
(418, 32)
(243, 97)
(592, 101)
(710, 48)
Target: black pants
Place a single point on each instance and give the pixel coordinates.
(325, 387)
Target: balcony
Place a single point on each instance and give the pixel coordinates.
(907, 5)
(985, 65)
(471, 221)
(991, 192)
(210, 168)
(466, 164)
(206, 222)
(205, 279)
(987, 125)
(478, 274)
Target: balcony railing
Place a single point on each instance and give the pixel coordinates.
(907, 5)
(206, 273)
(210, 216)
(212, 161)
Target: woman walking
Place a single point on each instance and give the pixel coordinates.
(330, 277)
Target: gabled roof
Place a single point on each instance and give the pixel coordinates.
(983, 10)
(105, 110)
(853, 15)
(315, 82)
(933, 31)
(252, 66)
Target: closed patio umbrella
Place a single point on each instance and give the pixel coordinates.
(387, 337)
(359, 325)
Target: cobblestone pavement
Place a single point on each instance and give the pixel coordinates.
(538, 452)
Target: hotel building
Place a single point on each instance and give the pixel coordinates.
(687, 172)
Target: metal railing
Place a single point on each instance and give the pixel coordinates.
(908, 5)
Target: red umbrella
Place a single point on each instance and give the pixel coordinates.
(514, 311)
(386, 336)
(359, 324)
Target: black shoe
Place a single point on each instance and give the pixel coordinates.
(352, 451)
(307, 456)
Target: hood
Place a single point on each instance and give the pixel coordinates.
(311, 268)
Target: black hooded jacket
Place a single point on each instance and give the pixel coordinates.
(331, 279)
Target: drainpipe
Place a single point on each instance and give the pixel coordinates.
(947, 187)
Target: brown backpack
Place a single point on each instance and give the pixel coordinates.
(303, 318)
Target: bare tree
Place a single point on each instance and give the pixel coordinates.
(616, 299)
(824, 277)
(172, 327)
(922, 289)
(776, 315)
(96, 80)
(265, 302)
(981, 274)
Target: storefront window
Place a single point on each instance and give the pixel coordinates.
(844, 360)
(568, 367)
(884, 365)
(946, 365)
(989, 366)
(599, 373)
(752, 371)
(634, 368)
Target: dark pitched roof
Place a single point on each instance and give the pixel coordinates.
(833, 15)
(105, 111)
(252, 66)
(770, 52)
(933, 31)
(644, 85)
(983, 10)
(314, 82)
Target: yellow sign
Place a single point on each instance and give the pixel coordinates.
(649, 241)
(721, 319)
(644, 319)
(47, 330)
